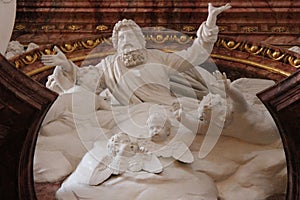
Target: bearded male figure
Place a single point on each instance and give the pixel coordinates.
(136, 74)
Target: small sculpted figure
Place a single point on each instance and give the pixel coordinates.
(123, 154)
(162, 142)
(233, 114)
(70, 100)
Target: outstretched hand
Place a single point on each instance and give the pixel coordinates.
(59, 59)
(217, 10)
(213, 12)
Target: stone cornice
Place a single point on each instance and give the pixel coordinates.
(72, 19)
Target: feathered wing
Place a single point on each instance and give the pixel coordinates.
(102, 171)
(147, 162)
(135, 163)
(181, 152)
(152, 164)
(165, 151)
(178, 150)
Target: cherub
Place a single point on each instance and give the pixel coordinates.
(164, 144)
(123, 154)
(231, 114)
(85, 89)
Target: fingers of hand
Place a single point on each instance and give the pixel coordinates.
(57, 49)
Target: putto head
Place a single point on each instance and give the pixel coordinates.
(214, 102)
(120, 144)
(159, 127)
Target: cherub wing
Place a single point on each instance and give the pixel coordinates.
(102, 171)
(181, 152)
(165, 151)
(119, 164)
(147, 162)
(152, 164)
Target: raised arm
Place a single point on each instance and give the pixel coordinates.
(207, 35)
(208, 31)
(64, 75)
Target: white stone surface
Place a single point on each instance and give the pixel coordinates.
(7, 21)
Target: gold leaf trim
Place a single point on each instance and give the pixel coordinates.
(253, 49)
(102, 27)
(89, 44)
(295, 62)
(248, 62)
(276, 55)
(39, 70)
(29, 59)
(69, 47)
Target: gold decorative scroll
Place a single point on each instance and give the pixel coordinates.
(162, 38)
(251, 63)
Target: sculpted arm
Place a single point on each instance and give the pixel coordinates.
(206, 37)
(59, 59)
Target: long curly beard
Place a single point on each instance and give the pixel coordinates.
(134, 58)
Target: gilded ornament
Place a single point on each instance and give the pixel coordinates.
(183, 38)
(249, 29)
(159, 28)
(101, 27)
(17, 64)
(252, 63)
(159, 38)
(230, 44)
(48, 27)
(48, 52)
(90, 43)
(29, 59)
(188, 28)
(295, 62)
(69, 47)
(20, 27)
(253, 49)
(279, 29)
(222, 28)
(74, 27)
(276, 55)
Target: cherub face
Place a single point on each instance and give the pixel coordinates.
(213, 104)
(120, 144)
(159, 128)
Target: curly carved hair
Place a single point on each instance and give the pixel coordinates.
(129, 24)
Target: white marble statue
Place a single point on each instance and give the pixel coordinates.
(15, 48)
(121, 155)
(138, 79)
(237, 116)
(147, 82)
(7, 17)
(136, 74)
(163, 143)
